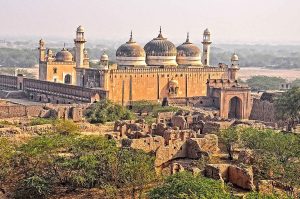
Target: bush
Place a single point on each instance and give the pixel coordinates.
(32, 188)
(40, 121)
(65, 127)
(255, 195)
(80, 161)
(185, 185)
(107, 111)
(7, 151)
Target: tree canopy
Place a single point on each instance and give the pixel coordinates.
(288, 107)
(265, 82)
(107, 111)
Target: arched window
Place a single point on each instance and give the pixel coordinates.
(68, 79)
(55, 70)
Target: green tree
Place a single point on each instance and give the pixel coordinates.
(296, 83)
(288, 107)
(275, 154)
(265, 82)
(186, 186)
(107, 111)
(229, 138)
(135, 169)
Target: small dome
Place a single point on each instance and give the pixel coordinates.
(41, 42)
(130, 49)
(80, 29)
(64, 56)
(234, 57)
(173, 82)
(206, 32)
(160, 46)
(104, 57)
(188, 49)
(49, 52)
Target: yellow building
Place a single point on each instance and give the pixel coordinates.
(60, 67)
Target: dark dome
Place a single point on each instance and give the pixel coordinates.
(188, 49)
(64, 55)
(160, 46)
(130, 49)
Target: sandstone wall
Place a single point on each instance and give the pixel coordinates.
(133, 84)
(241, 177)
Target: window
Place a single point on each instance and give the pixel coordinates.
(68, 79)
(55, 70)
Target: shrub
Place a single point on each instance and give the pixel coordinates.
(255, 195)
(32, 187)
(7, 150)
(185, 185)
(107, 111)
(40, 121)
(65, 127)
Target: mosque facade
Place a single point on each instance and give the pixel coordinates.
(158, 71)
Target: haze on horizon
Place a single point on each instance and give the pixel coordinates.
(230, 21)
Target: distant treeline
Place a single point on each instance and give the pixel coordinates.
(250, 55)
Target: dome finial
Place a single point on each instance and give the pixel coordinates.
(188, 37)
(160, 35)
(131, 38)
(64, 48)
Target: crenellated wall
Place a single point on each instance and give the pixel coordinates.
(44, 91)
(153, 83)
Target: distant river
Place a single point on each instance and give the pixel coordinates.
(289, 74)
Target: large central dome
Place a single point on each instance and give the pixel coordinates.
(160, 52)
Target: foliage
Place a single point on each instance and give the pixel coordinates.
(255, 195)
(18, 57)
(185, 185)
(296, 83)
(65, 127)
(32, 187)
(134, 168)
(265, 82)
(77, 161)
(288, 107)
(275, 153)
(40, 121)
(7, 150)
(107, 111)
(229, 137)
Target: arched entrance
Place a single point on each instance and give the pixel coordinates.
(68, 79)
(235, 108)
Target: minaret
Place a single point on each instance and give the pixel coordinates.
(206, 48)
(42, 51)
(235, 67)
(104, 61)
(79, 47)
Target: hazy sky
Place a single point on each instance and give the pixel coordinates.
(250, 21)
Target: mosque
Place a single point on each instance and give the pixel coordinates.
(159, 71)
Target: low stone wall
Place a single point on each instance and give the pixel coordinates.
(9, 111)
(241, 177)
(271, 186)
(62, 112)
(176, 148)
